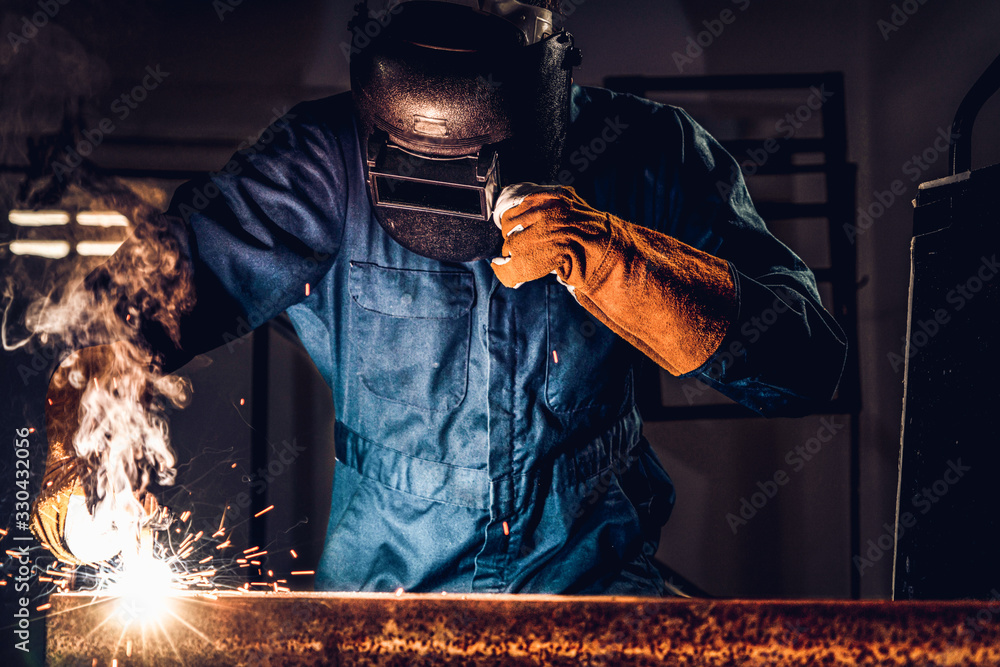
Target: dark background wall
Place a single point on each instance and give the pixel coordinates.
(233, 66)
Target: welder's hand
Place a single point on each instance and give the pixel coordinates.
(60, 486)
(60, 518)
(672, 301)
(548, 229)
(61, 483)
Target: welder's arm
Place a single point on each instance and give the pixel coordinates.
(784, 352)
(233, 250)
(671, 301)
(256, 232)
(776, 349)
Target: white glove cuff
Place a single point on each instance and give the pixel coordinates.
(513, 195)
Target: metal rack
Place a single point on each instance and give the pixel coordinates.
(837, 210)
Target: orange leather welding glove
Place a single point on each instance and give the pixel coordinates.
(670, 300)
(48, 515)
(61, 518)
(62, 478)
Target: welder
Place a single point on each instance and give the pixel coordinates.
(491, 252)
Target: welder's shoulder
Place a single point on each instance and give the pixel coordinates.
(327, 116)
(592, 102)
(333, 109)
(649, 124)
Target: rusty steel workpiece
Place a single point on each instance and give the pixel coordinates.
(383, 629)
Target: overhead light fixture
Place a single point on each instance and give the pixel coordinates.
(49, 249)
(57, 249)
(38, 218)
(102, 219)
(97, 248)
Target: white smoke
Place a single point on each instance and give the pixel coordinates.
(109, 398)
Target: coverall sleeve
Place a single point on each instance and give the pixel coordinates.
(784, 353)
(255, 233)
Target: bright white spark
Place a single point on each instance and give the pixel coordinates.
(144, 587)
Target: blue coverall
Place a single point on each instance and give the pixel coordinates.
(487, 439)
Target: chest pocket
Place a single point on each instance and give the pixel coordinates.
(589, 366)
(411, 332)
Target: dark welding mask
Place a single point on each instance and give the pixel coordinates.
(455, 103)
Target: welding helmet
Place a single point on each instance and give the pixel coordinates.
(454, 103)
